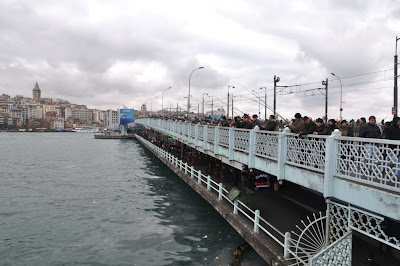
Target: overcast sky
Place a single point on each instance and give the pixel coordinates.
(106, 54)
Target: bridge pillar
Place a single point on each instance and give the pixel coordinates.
(216, 140)
(205, 136)
(282, 146)
(231, 143)
(196, 135)
(252, 147)
(330, 163)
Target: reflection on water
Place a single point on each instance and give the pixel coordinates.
(68, 199)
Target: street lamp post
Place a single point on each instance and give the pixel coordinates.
(162, 100)
(145, 103)
(395, 112)
(265, 105)
(341, 95)
(227, 111)
(259, 103)
(152, 103)
(188, 105)
(204, 114)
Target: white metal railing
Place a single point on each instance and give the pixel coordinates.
(374, 162)
(210, 185)
(306, 152)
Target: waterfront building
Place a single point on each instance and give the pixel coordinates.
(83, 115)
(111, 119)
(143, 108)
(36, 93)
(57, 123)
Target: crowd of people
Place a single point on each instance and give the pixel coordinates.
(304, 125)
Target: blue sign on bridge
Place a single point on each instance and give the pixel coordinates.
(126, 116)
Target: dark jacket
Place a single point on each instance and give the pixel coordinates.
(256, 122)
(271, 126)
(393, 132)
(331, 128)
(309, 128)
(370, 131)
(322, 130)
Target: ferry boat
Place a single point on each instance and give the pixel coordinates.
(86, 130)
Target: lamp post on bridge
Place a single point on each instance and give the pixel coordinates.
(204, 114)
(341, 95)
(395, 112)
(227, 111)
(145, 103)
(162, 100)
(188, 105)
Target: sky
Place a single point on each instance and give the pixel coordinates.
(110, 54)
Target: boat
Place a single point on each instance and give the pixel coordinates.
(86, 130)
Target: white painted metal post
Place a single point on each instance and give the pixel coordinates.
(252, 147)
(208, 183)
(282, 152)
(196, 135)
(186, 168)
(327, 221)
(191, 172)
(330, 163)
(189, 131)
(286, 248)
(220, 191)
(199, 177)
(231, 143)
(205, 137)
(216, 140)
(235, 206)
(256, 221)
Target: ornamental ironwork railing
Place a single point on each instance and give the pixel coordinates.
(373, 162)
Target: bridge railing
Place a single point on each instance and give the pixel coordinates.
(375, 162)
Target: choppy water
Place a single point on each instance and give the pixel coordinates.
(68, 199)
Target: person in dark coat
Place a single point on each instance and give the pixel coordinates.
(256, 121)
(247, 122)
(272, 124)
(298, 125)
(238, 123)
(224, 122)
(370, 129)
(331, 126)
(345, 129)
(321, 128)
(393, 132)
(309, 126)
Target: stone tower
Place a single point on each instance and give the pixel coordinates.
(36, 93)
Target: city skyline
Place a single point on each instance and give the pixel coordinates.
(108, 55)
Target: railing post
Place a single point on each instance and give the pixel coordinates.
(330, 163)
(205, 137)
(189, 131)
(220, 191)
(282, 152)
(186, 168)
(196, 135)
(216, 140)
(235, 206)
(180, 164)
(256, 221)
(286, 248)
(199, 177)
(208, 183)
(252, 147)
(231, 143)
(192, 172)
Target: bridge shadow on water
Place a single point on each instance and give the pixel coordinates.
(200, 235)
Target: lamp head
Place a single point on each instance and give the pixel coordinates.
(333, 74)
(201, 67)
